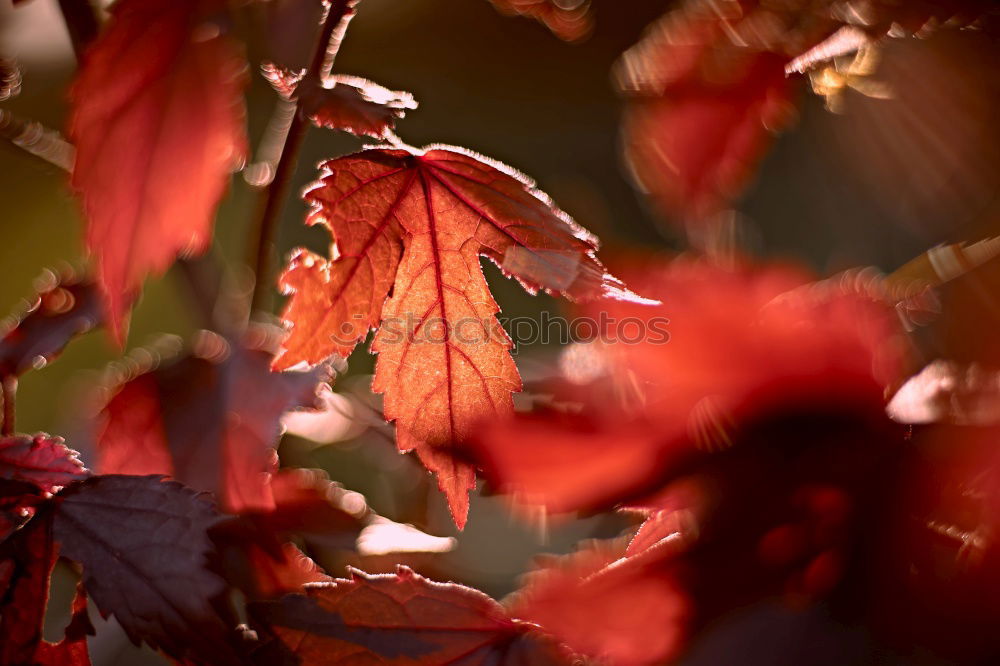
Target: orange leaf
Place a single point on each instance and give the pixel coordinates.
(416, 223)
(157, 119)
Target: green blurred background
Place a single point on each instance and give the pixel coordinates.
(875, 186)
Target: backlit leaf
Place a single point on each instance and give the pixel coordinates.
(157, 120)
(40, 459)
(416, 223)
(347, 103)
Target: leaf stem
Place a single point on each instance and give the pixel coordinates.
(331, 34)
(9, 388)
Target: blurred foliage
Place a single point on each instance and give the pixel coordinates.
(836, 191)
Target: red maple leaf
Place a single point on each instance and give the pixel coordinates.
(157, 120)
(41, 460)
(416, 223)
(399, 618)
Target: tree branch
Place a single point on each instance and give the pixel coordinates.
(331, 34)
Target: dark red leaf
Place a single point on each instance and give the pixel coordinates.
(157, 120)
(259, 562)
(342, 102)
(26, 561)
(210, 419)
(398, 619)
(416, 223)
(144, 547)
(64, 307)
(41, 459)
(256, 552)
(739, 347)
(937, 570)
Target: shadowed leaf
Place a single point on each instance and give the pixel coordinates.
(26, 561)
(398, 619)
(210, 419)
(144, 547)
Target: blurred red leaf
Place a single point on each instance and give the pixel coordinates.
(210, 419)
(64, 307)
(306, 502)
(569, 20)
(702, 109)
(415, 223)
(40, 459)
(397, 619)
(937, 570)
(740, 346)
(706, 86)
(347, 103)
(157, 120)
(627, 610)
(144, 547)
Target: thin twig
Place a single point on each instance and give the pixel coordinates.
(331, 34)
(9, 388)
